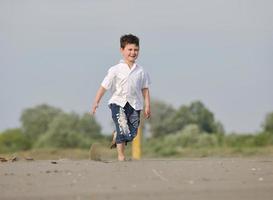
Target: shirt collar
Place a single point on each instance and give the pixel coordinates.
(134, 66)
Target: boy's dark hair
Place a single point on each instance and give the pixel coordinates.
(128, 39)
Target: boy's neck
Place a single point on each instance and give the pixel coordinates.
(130, 64)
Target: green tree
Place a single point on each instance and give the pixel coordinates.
(13, 140)
(195, 113)
(178, 120)
(219, 127)
(268, 123)
(161, 112)
(69, 131)
(35, 121)
(89, 127)
(201, 116)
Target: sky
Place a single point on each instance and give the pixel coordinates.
(217, 51)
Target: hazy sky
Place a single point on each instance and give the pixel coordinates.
(216, 51)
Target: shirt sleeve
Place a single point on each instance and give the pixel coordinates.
(146, 82)
(108, 79)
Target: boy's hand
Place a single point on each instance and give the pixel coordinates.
(147, 112)
(99, 94)
(94, 108)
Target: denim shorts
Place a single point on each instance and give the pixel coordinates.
(126, 121)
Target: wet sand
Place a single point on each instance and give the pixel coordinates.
(205, 178)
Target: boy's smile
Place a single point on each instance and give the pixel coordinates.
(130, 53)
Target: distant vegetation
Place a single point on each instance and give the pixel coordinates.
(48, 127)
(190, 141)
(193, 130)
(190, 130)
(167, 120)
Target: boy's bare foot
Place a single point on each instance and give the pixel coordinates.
(113, 143)
(121, 158)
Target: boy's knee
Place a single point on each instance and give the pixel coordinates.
(132, 136)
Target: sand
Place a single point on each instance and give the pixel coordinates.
(204, 178)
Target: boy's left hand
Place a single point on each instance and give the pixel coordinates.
(147, 112)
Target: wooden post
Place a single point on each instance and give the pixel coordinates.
(136, 145)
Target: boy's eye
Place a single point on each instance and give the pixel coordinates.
(132, 49)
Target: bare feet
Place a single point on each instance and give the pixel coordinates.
(121, 158)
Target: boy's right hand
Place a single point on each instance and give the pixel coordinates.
(94, 108)
(99, 94)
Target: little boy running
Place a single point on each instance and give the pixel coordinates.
(129, 85)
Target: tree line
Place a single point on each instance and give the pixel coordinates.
(167, 120)
(192, 125)
(48, 126)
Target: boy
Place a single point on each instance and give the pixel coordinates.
(129, 84)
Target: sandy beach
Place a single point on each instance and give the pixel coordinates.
(202, 178)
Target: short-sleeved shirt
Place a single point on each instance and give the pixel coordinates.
(126, 84)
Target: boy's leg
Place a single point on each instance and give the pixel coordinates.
(121, 151)
(126, 121)
(120, 120)
(133, 118)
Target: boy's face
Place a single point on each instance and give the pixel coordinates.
(130, 53)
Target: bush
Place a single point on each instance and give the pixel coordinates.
(189, 137)
(238, 141)
(64, 139)
(205, 140)
(263, 139)
(36, 120)
(241, 141)
(13, 140)
(70, 131)
(268, 123)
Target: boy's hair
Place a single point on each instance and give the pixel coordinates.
(128, 39)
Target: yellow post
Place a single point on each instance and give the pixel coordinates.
(136, 145)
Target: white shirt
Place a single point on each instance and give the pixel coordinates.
(126, 84)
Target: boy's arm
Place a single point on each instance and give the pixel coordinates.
(98, 97)
(146, 96)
